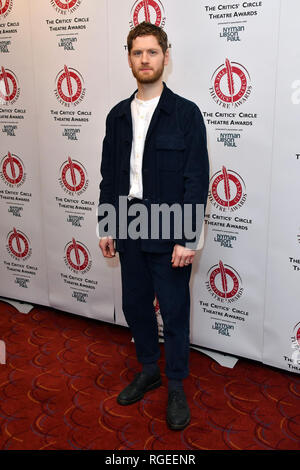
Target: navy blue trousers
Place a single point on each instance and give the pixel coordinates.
(144, 275)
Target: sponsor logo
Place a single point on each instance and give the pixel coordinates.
(228, 190)
(222, 328)
(230, 84)
(9, 130)
(151, 11)
(12, 170)
(9, 88)
(18, 245)
(232, 33)
(224, 283)
(80, 296)
(77, 257)
(15, 211)
(69, 89)
(22, 282)
(65, 7)
(73, 177)
(225, 240)
(67, 43)
(75, 220)
(5, 8)
(4, 46)
(228, 138)
(71, 134)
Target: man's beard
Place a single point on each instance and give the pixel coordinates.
(150, 78)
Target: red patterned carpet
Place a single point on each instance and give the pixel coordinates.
(63, 372)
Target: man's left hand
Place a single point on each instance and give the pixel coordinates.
(182, 256)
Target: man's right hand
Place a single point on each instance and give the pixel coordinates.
(106, 245)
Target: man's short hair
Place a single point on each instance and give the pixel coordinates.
(148, 29)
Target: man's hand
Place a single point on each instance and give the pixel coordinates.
(106, 245)
(182, 256)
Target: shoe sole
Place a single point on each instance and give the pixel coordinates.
(178, 427)
(130, 402)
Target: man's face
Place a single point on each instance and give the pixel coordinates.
(147, 59)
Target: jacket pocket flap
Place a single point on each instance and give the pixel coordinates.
(170, 142)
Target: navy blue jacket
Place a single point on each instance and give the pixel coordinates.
(175, 165)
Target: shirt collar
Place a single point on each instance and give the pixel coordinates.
(165, 103)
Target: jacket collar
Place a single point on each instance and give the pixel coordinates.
(166, 102)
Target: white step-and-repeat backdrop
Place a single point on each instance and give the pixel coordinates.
(63, 66)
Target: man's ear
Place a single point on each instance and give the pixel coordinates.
(167, 57)
(129, 60)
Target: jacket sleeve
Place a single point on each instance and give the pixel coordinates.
(106, 168)
(106, 186)
(196, 172)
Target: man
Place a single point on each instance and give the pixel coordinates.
(155, 152)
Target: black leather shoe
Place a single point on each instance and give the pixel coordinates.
(178, 412)
(141, 384)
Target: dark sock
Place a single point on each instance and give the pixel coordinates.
(175, 385)
(150, 369)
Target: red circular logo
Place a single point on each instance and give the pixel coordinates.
(298, 336)
(18, 244)
(73, 176)
(227, 189)
(12, 170)
(69, 86)
(9, 91)
(65, 6)
(150, 11)
(5, 7)
(77, 256)
(224, 282)
(231, 84)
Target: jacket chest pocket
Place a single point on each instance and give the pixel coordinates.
(170, 152)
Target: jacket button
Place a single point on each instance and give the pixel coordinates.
(145, 170)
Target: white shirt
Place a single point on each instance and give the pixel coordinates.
(141, 112)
